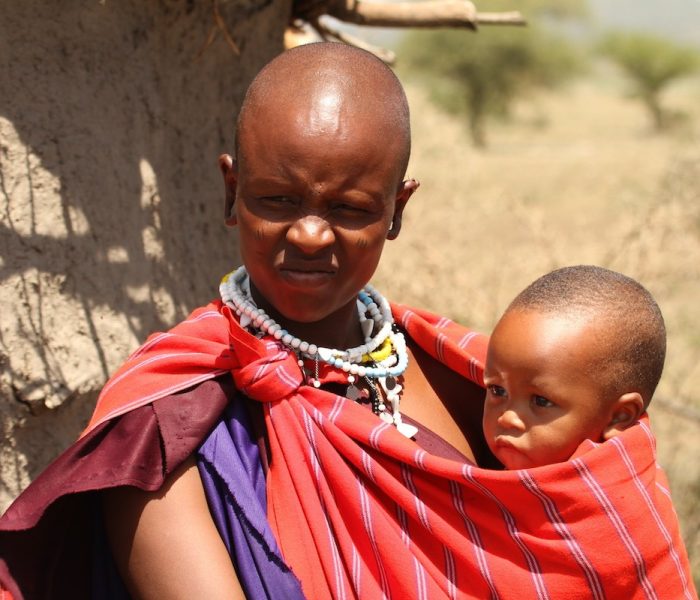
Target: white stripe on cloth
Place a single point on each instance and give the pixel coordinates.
(466, 338)
(477, 544)
(473, 370)
(403, 523)
(337, 408)
(356, 572)
(376, 433)
(619, 445)
(316, 465)
(148, 345)
(442, 323)
(289, 380)
(367, 521)
(619, 526)
(110, 384)
(208, 314)
(652, 442)
(418, 503)
(450, 573)
(367, 465)
(592, 578)
(532, 564)
(421, 584)
(419, 458)
(440, 346)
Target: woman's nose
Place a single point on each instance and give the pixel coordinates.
(509, 419)
(310, 234)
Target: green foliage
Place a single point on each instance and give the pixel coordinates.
(652, 64)
(482, 75)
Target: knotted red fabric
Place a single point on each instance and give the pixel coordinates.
(360, 511)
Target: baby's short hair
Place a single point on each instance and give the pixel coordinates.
(638, 341)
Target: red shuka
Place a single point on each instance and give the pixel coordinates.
(362, 512)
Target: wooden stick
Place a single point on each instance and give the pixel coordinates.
(502, 18)
(432, 13)
(329, 29)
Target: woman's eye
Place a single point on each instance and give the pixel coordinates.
(542, 402)
(351, 208)
(496, 390)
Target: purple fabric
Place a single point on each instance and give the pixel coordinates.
(234, 483)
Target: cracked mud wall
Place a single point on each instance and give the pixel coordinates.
(112, 116)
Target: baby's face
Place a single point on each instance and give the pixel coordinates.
(541, 399)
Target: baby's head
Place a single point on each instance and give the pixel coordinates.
(577, 355)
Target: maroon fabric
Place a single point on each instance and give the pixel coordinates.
(47, 534)
(432, 443)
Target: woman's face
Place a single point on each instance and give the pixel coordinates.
(315, 198)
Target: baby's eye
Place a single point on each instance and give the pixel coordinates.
(542, 402)
(496, 390)
(277, 199)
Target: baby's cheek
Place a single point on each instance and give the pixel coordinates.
(489, 418)
(555, 449)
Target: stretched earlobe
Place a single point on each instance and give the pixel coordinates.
(625, 413)
(406, 190)
(228, 169)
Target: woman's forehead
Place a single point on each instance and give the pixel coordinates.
(319, 137)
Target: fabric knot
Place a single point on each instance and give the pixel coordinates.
(269, 378)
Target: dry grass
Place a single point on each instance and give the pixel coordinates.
(577, 178)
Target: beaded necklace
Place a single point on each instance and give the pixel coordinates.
(382, 358)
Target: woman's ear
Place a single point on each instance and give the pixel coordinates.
(229, 171)
(625, 412)
(406, 190)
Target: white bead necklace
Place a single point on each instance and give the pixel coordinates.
(374, 313)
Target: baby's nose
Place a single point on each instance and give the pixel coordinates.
(511, 420)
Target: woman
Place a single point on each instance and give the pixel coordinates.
(323, 142)
(311, 232)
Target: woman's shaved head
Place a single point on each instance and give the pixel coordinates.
(327, 88)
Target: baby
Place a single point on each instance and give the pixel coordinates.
(576, 356)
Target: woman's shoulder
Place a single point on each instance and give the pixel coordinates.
(139, 448)
(460, 348)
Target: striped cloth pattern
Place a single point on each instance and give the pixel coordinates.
(360, 511)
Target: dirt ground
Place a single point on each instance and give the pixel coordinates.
(576, 177)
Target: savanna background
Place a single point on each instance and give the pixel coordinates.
(112, 115)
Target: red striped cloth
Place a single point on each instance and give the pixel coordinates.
(362, 512)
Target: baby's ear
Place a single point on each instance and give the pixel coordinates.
(625, 412)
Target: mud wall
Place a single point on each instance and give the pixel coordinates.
(112, 115)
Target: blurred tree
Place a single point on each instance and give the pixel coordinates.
(652, 64)
(482, 75)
